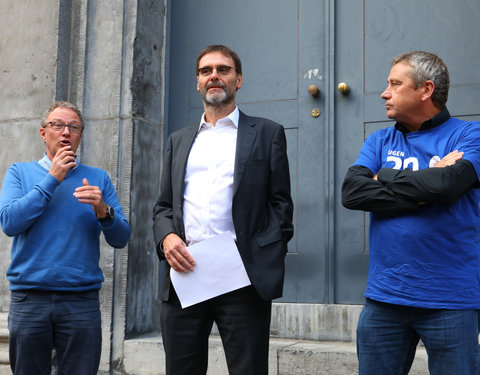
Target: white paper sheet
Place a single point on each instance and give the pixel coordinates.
(219, 270)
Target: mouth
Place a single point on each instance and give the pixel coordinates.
(65, 143)
(215, 86)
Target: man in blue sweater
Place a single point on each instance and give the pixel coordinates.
(55, 209)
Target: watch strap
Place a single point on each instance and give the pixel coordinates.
(110, 214)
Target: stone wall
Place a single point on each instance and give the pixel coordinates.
(28, 67)
(97, 55)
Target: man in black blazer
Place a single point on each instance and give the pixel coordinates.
(227, 174)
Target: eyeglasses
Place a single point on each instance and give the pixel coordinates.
(206, 71)
(59, 126)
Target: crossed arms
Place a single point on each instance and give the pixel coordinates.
(393, 192)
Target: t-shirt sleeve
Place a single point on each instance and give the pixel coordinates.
(469, 143)
(369, 154)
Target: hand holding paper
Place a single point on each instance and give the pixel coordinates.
(219, 269)
(176, 253)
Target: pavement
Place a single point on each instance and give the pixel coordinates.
(145, 356)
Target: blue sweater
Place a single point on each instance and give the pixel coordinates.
(56, 238)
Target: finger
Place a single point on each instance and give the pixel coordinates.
(87, 198)
(177, 266)
(63, 149)
(454, 154)
(65, 152)
(176, 263)
(180, 258)
(88, 189)
(85, 182)
(454, 158)
(184, 262)
(87, 194)
(186, 255)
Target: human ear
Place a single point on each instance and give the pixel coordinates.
(239, 82)
(42, 133)
(428, 88)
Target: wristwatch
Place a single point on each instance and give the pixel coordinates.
(110, 214)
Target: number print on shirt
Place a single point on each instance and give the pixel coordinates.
(411, 162)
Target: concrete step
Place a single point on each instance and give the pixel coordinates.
(3, 319)
(3, 335)
(4, 360)
(145, 356)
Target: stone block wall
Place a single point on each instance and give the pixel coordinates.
(28, 67)
(97, 55)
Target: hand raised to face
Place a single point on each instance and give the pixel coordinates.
(62, 162)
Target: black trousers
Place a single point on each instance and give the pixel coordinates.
(243, 321)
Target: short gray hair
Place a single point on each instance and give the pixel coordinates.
(427, 66)
(61, 104)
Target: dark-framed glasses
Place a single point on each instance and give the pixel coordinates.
(59, 126)
(206, 71)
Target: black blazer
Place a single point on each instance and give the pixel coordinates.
(262, 207)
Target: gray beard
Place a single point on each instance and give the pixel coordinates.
(215, 100)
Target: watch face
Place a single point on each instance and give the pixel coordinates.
(110, 212)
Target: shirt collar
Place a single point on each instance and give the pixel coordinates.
(231, 118)
(46, 163)
(435, 121)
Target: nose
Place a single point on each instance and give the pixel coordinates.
(385, 94)
(214, 73)
(66, 130)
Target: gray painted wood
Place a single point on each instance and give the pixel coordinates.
(368, 37)
(286, 46)
(268, 36)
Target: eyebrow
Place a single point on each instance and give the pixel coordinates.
(74, 122)
(216, 66)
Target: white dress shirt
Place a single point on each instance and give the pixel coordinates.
(207, 207)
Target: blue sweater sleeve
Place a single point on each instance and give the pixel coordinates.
(116, 231)
(20, 209)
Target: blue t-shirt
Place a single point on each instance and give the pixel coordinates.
(56, 238)
(431, 257)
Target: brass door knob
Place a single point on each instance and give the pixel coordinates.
(314, 91)
(343, 88)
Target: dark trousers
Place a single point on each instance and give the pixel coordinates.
(39, 321)
(243, 321)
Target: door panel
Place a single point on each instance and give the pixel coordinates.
(369, 35)
(285, 47)
(281, 47)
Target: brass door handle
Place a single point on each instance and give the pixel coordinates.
(343, 88)
(314, 91)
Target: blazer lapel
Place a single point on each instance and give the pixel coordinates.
(247, 131)
(181, 158)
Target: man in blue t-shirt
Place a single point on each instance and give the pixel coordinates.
(419, 181)
(55, 209)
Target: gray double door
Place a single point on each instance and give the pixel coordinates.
(288, 46)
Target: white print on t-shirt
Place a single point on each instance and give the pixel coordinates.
(411, 162)
(396, 153)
